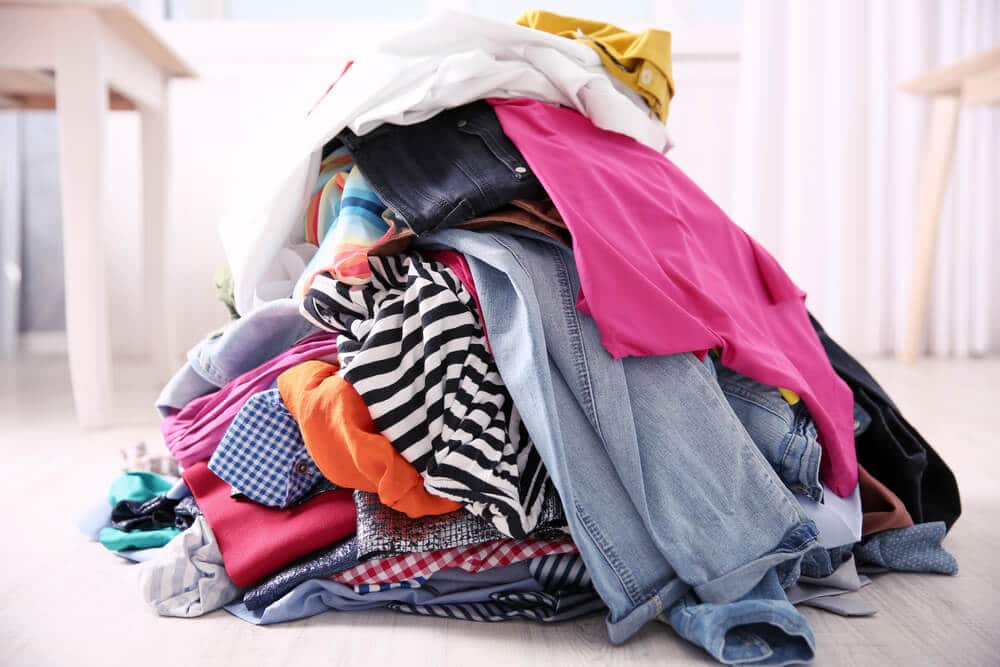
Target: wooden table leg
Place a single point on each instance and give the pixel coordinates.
(155, 167)
(933, 184)
(81, 105)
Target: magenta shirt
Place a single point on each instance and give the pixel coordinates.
(193, 433)
(663, 270)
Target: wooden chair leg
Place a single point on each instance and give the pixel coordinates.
(933, 184)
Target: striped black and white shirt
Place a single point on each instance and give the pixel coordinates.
(412, 345)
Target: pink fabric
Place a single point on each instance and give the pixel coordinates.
(193, 433)
(664, 271)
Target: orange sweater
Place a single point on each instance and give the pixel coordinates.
(348, 449)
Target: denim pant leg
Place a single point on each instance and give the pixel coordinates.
(706, 495)
(762, 628)
(633, 579)
(785, 434)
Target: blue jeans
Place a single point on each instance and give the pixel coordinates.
(785, 434)
(762, 628)
(664, 491)
(245, 344)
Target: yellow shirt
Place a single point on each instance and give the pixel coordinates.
(790, 396)
(640, 60)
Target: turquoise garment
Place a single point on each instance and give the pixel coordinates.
(119, 540)
(138, 487)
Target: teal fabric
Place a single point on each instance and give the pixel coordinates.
(139, 487)
(119, 540)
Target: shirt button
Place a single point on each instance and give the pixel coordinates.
(521, 170)
(857, 424)
(646, 76)
(462, 123)
(302, 467)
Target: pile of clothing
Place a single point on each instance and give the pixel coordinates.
(496, 357)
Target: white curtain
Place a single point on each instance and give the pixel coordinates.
(10, 231)
(828, 164)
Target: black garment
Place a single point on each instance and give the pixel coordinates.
(891, 449)
(155, 513)
(447, 169)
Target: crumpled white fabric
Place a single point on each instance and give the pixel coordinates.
(278, 281)
(446, 61)
(188, 578)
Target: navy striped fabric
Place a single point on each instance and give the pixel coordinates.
(567, 594)
(561, 572)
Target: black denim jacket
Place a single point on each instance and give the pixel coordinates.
(445, 170)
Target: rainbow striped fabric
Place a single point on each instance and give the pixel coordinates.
(324, 204)
(345, 218)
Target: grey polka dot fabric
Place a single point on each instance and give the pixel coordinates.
(914, 549)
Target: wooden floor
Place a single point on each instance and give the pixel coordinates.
(65, 601)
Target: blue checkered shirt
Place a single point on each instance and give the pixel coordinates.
(262, 455)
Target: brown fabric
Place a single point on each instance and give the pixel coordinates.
(539, 216)
(883, 510)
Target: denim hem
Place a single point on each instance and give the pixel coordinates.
(731, 640)
(793, 625)
(740, 581)
(207, 372)
(622, 630)
(203, 364)
(185, 386)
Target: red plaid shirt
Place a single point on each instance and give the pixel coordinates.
(415, 568)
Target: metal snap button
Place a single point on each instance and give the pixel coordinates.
(462, 123)
(301, 467)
